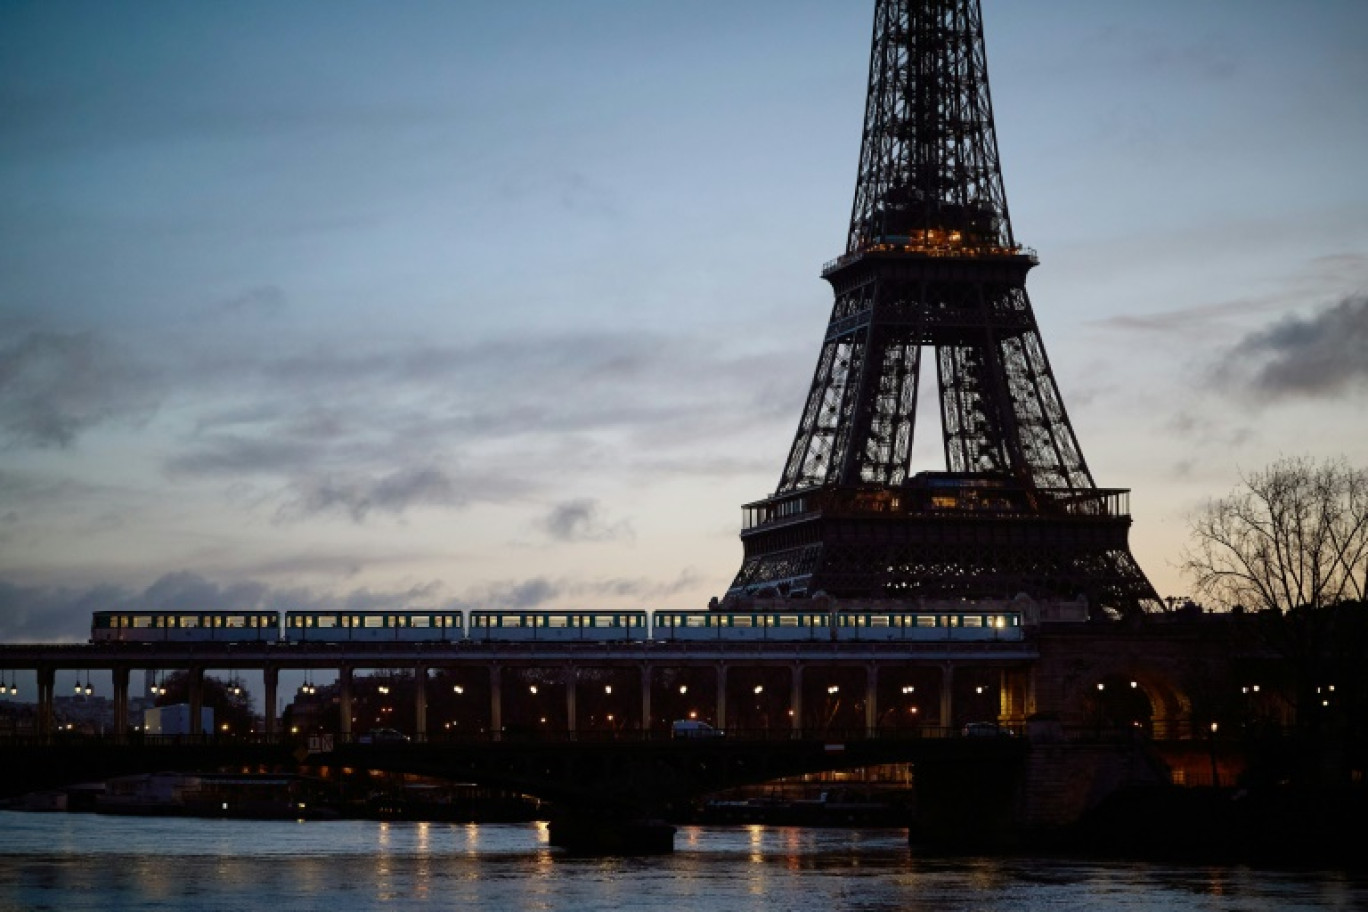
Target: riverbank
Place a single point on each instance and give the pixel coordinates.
(1305, 827)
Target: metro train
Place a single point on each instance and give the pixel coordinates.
(503, 626)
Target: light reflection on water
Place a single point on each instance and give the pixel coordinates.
(78, 862)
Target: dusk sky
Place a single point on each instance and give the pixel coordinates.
(487, 304)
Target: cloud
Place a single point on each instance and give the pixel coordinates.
(54, 386)
(581, 521)
(235, 456)
(1321, 355)
(540, 591)
(51, 614)
(37, 614)
(264, 300)
(358, 497)
(187, 591)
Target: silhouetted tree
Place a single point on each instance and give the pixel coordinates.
(1294, 535)
(1291, 543)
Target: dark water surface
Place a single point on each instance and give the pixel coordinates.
(73, 862)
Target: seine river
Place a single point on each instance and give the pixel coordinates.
(72, 862)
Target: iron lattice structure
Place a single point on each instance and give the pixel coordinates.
(931, 263)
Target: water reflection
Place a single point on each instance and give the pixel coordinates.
(79, 862)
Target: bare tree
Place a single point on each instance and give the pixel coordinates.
(1294, 535)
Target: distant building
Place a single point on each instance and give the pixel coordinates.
(175, 720)
(89, 715)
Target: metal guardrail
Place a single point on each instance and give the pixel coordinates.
(1081, 734)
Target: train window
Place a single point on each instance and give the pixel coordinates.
(373, 620)
(605, 620)
(142, 620)
(420, 620)
(189, 620)
(971, 620)
(327, 620)
(879, 620)
(236, 620)
(557, 620)
(698, 620)
(926, 620)
(742, 620)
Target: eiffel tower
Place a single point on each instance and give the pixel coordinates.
(931, 263)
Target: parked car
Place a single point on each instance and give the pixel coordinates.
(383, 736)
(987, 730)
(691, 728)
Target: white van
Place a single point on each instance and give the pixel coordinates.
(690, 728)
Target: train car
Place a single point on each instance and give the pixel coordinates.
(794, 626)
(374, 626)
(879, 626)
(185, 626)
(556, 626)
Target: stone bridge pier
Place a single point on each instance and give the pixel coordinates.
(1034, 798)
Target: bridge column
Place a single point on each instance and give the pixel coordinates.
(796, 698)
(270, 679)
(496, 701)
(344, 702)
(120, 676)
(571, 698)
(722, 695)
(47, 682)
(871, 700)
(194, 677)
(1030, 708)
(645, 680)
(1009, 704)
(947, 696)
(420, 675)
